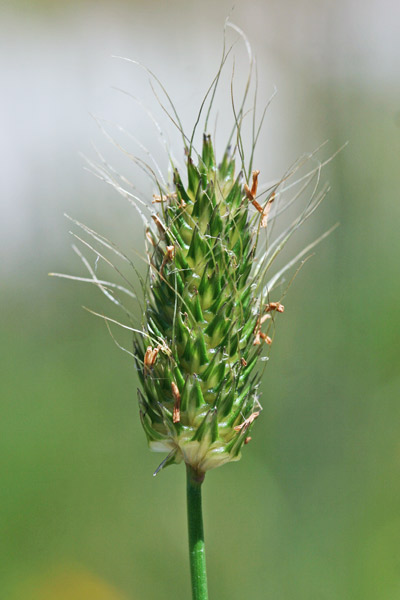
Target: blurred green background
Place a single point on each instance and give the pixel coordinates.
(313, 509)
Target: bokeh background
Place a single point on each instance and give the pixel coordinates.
(313, 509)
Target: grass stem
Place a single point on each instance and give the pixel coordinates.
(197, 554)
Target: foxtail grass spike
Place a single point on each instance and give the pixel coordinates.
(203, 296)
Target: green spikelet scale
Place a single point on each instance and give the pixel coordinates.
(198, 364)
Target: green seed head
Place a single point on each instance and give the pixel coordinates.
(205, 320)
(208, 315)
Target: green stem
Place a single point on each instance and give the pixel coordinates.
(197, 553)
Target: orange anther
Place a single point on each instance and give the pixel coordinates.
(169, 255)
(251, 196)
(274, 306)
(150, 357)
(176, 415)
(266, 338)
(247, 422)
(163, 198)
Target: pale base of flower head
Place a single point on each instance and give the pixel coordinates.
(200, 455)
(204, 457)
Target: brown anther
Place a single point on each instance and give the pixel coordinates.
(248, 193)
(274, 306)
(176, 415)
(266, 338)
(254, 186)
(256, 338)
(264, 318)
(251, 196)
(265, 211)
(251, 193)
(257, 329)
(244, 362)
(258, 206)
(150, 357)
(247, 422)
(159, 223)
(247, 440)
(169, 255)
(163, 198)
